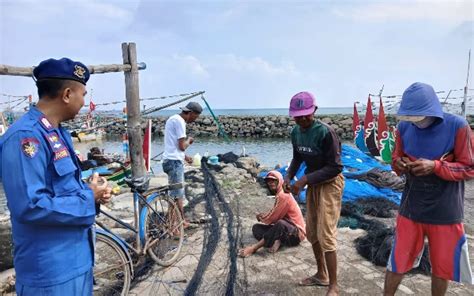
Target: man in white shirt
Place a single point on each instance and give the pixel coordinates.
(176, 143)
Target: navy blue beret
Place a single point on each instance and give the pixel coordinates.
(62, 69)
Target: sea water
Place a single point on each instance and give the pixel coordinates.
(269, 152)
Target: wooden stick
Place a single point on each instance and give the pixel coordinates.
(94, 69)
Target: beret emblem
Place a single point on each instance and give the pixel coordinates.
(79, 71)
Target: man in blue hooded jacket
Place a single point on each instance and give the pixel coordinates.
(51, 209)
(434, 151)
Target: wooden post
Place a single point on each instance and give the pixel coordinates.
(93, 69)
(129, 55)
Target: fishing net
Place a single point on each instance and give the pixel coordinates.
(229, 157)
(376, 245)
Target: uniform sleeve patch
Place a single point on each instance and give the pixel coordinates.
(61, 154)
(55, 142)
(30, 146)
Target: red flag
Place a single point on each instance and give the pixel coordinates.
(147, 145)
(91, 106)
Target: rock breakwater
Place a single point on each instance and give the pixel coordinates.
(239, 126)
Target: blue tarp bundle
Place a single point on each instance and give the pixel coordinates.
(355, 163)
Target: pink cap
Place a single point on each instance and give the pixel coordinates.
(302, 104)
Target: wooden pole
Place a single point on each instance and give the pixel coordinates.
(129, 54)
(93, 69)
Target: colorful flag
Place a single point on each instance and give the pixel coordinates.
(385, 138)
(370, 132)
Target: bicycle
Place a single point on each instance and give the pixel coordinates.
(159, 232)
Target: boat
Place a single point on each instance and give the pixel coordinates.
(80, 136)
(112, 167)
(115, 172)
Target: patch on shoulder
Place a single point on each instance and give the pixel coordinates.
(60, 154)
(30, 146)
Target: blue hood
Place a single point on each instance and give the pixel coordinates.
(420, 99)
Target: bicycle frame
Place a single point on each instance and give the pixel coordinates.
(139, 216)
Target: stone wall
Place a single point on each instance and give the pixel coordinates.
(245, 126)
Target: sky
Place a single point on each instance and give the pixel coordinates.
(245, 54)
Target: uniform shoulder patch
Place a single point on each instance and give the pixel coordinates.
(30, 146)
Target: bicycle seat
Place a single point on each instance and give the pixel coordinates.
(138, 184)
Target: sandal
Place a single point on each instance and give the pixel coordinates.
(313, 281)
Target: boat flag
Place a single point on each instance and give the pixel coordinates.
(91, 106)
(358, 129)
(370, 133)
(385, 139)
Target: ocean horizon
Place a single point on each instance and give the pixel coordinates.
(244, 112)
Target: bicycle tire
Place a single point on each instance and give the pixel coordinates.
(165, 236)
(112, 270)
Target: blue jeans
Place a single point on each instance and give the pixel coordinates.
(79, 286)
(175, 171)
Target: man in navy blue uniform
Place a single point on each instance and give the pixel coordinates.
(52, 211)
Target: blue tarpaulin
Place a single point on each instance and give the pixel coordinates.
(355, 163)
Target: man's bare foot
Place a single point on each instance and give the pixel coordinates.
(186, 224)
(275, 247)
(333, 291)
(314, 280)
(247, 251)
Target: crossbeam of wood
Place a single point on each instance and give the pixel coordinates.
(93, 69)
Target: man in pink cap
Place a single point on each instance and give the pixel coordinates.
(317, 144)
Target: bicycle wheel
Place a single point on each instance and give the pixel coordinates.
(164, 231)
(112, 272)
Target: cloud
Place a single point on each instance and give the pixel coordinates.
(191, 64)
(253, 65)
(419, 10)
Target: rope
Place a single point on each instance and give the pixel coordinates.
(143, 99)
(19, 103)
(13, 96)
(192, 95)
(16, 100)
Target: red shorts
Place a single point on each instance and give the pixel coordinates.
(449, 255)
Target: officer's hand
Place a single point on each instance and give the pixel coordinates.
(422, 167)
(190, 140)
(99, 186)
(107, 196)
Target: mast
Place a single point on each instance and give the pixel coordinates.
(464, 102)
